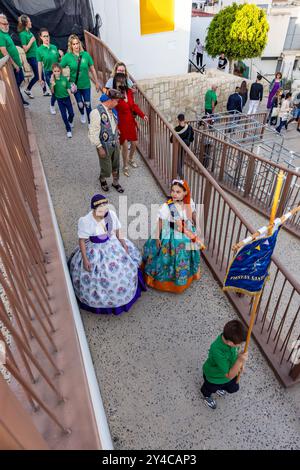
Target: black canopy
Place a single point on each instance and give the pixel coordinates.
(60, 17)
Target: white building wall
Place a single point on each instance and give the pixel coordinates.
(150, 55)
(199, 28)
(277, 33)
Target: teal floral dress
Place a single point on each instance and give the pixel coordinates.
(174, 265)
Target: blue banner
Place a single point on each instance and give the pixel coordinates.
(249, 268)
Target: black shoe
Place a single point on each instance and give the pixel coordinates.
(298, 129)
(210, 402)
(25, 103)
(104, 185)
(118, 188)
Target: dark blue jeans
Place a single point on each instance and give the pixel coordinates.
(19, 79)
(208, 388)
(281, 124)
(34, 65)
(66, 111)
(47, 77)
(83, 98)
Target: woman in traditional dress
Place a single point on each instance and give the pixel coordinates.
(105, 267)
(274, 87)
(171, 258)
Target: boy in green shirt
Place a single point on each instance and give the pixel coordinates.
(224, 363)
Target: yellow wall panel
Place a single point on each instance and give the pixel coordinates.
(157, 16)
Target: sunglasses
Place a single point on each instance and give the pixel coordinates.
(4, 24)
(45, 36)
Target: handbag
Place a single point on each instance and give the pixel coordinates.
(275, 112)
(74, 84)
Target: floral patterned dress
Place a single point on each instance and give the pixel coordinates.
(176, 264)
(115, 281)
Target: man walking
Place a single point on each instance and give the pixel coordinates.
(210, 100)
(186, 133)
(104, 134)
(256, 95)
(235, 102)
(7, 47)
(198, 50)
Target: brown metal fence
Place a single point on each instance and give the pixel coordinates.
(40, 407)
(277, 328)
(249, 177)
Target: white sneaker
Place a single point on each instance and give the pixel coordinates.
(28, 93)
(69, 135)
(52, 109)
(83, 118)
(71, 124)
(46, 93)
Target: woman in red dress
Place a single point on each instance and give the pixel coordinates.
(127, 109)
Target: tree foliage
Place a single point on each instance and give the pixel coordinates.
(240, 31)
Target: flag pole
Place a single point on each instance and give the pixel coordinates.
(258, 295)
(283, 219)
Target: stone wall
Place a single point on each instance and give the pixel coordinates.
(185, 93)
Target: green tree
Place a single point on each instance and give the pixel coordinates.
(240, 31)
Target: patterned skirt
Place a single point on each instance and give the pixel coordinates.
(174, 266)
(115, 281)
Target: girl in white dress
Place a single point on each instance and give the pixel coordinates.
(105, 268)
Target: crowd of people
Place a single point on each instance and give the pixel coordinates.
(108, 272)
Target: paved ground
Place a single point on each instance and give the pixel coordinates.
(148, 361)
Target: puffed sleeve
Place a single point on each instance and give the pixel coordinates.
(164, 212)
(83, 229)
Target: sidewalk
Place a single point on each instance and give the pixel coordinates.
(149, 360)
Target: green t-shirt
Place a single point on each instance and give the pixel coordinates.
(48, 56)
(25, 37)
(61, 87)
(7, 42)
(221, 358)
(70, 60)
(210, 96)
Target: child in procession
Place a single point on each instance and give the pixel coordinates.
(171, 258)
(61, 89)
(224, 363)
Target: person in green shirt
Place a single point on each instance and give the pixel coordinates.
(224, 363)
(8, 48)
(47, 55)
(210, 100)
(80, 64)
(28, 42)
(61, 89)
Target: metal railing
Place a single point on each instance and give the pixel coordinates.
(40, 406)
(277, 328)
(249, 177)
